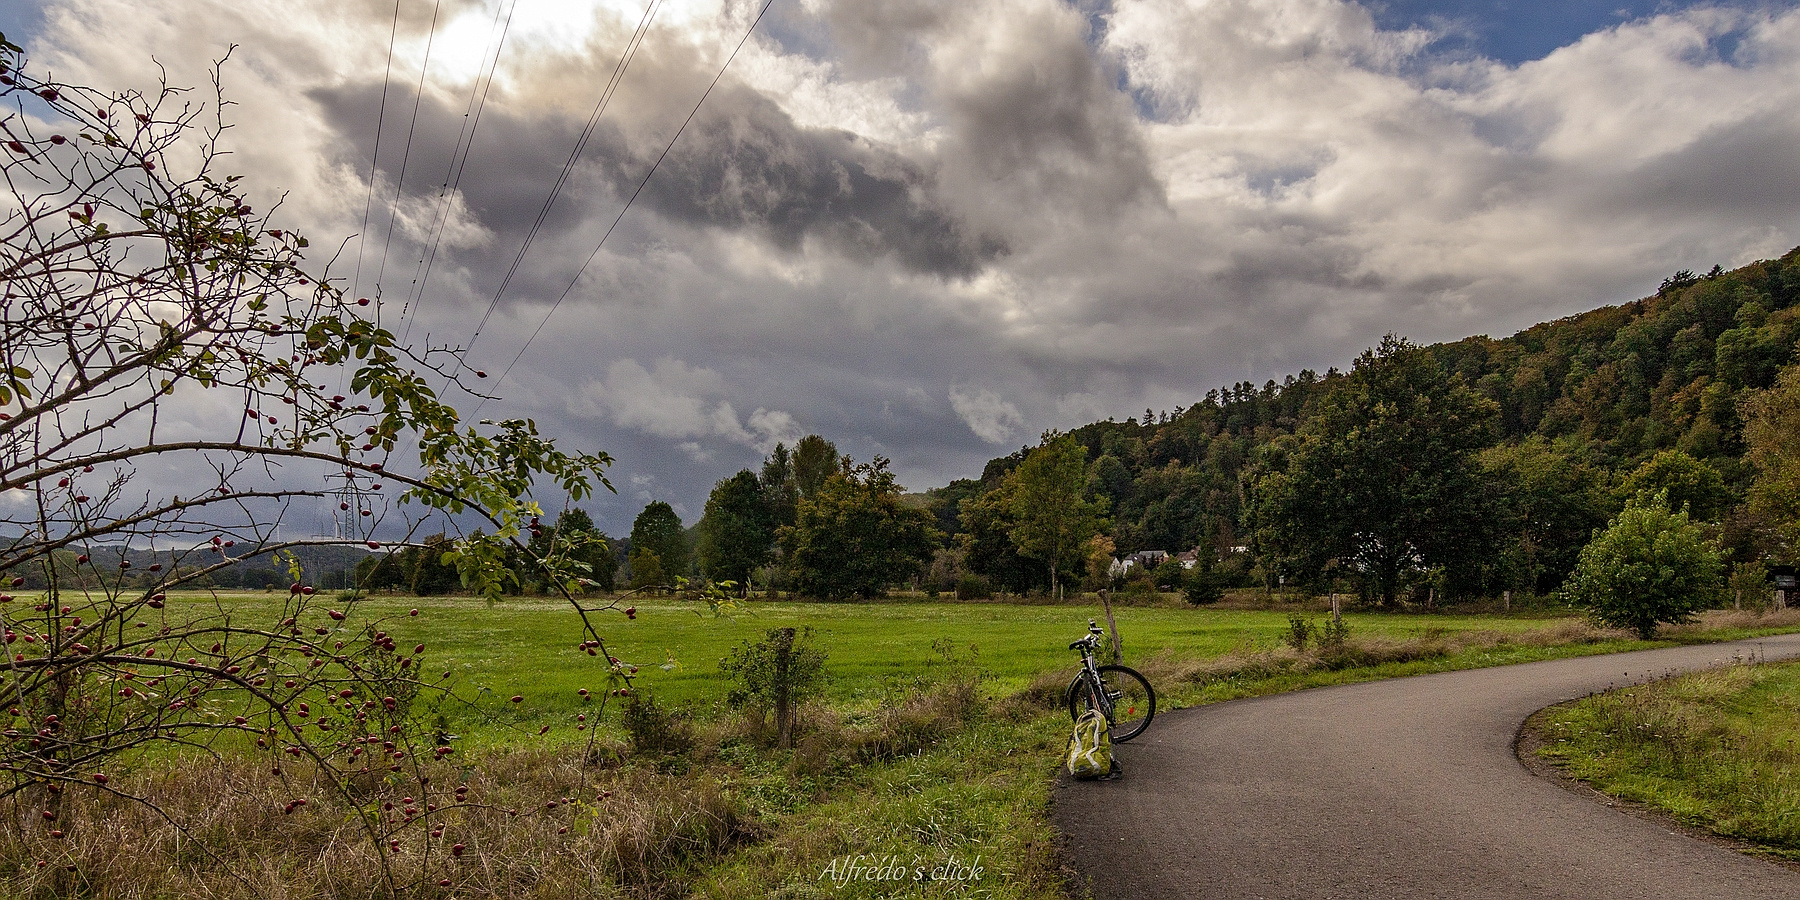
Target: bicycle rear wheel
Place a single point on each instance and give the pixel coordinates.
(1133, 701)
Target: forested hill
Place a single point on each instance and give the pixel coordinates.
(1602, 391)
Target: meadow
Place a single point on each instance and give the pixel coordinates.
(528, 646)
(936, 742)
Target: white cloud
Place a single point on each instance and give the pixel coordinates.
(675, 400)
(990, 417)
(773, 427)
(1098, 214)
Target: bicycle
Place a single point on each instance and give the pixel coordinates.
(1121, 695)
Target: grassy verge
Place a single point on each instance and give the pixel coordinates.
(920, 764)
(1714, 749)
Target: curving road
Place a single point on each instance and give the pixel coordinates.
(1392, 790)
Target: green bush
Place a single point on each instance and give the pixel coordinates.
(656, 731)
(1203, 585)
(774, 675)
(973, 587)
(1300, 632)
(1649, 566)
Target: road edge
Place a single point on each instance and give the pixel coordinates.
(1529, 739)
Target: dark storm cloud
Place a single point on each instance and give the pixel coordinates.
(512, 161)
(744, 164)
(1037, 119)
(1746, 168)
(1054, 126)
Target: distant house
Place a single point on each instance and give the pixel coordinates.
(1188, 558)
(1149, 559)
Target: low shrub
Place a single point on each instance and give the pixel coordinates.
(773, 676)
(655, 731)
(973, 587)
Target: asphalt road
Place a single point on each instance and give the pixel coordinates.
(1393, 790)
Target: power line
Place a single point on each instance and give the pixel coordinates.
(406, 155)
(634, 195)
(587, 131)
(459, 159)
(380, 119)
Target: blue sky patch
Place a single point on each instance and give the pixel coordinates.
(19, 19)
(1516, 31)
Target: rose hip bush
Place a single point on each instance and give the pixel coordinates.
(174, 376)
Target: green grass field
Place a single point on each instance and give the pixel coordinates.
(1714, 749)
(527, 646)
(909, 754)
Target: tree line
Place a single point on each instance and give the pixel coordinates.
(1476, 467)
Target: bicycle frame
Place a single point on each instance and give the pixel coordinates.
(1090, 673)
(1101, 688)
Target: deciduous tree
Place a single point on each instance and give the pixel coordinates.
(657, 530)
(815, 460)
(780, 493)
(1648, 567)
(737, 531)
(1051, 517)
(1382, 478)
(986, 540)
(1553, 502)
(1689, 483)
(854, 538)
(1771, 423)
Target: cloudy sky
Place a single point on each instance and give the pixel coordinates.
(932, 230)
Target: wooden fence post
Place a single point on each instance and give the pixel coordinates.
(1111, 626)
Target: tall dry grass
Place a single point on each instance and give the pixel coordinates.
(531, 824)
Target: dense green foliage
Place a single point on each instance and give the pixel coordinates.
(659, 546)
(737, 531)
(1772, 422)
(1381, 479)
(1553, 428)
(854, 538)
(1648, 567)
(1687, 482)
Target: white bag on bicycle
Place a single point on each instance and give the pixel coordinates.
(1090, 747)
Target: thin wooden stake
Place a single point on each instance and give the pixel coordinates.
(1111, 626)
